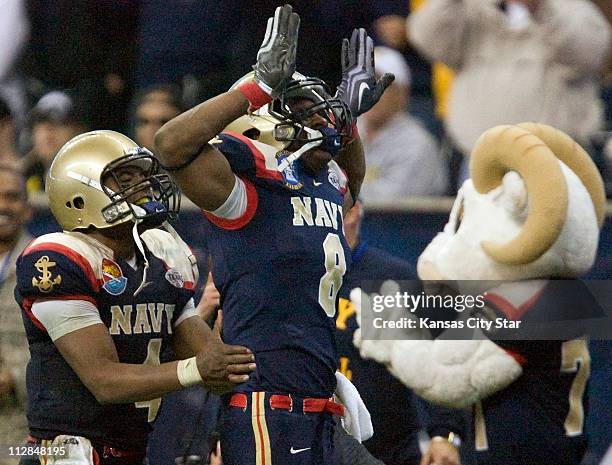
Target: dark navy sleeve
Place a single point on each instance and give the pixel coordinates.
(48, 274)
(443, 421)
(53, 274)
(349, 451)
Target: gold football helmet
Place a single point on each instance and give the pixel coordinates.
(79, 198)
(275, 124)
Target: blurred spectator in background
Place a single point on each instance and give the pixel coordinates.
(8, 134)
(390, 31)
(88, 46)
(403, 159)
(14, 354)
(55, 119)
(152, 108)
(323, 25)
(606, 8)
(516, 60)
(14, 28)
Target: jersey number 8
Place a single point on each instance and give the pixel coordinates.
(335, 267)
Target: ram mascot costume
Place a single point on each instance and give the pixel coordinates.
(528, 218)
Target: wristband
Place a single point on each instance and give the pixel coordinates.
(187, 372)
(255, 94)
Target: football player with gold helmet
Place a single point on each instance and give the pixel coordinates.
(104, 298)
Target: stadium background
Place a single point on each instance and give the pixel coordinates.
(102, 52)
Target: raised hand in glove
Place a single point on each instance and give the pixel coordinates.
(275, 59)
(359, 88)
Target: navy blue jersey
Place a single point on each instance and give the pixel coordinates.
(540, 416)
(73, 266)
(279, 267)
(390, 403)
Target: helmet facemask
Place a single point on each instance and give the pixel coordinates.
(292, 125)
(151, 200)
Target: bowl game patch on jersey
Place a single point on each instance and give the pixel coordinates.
(114, 281)
(175, 278)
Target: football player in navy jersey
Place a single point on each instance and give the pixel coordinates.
(273, 163)
(102, 300)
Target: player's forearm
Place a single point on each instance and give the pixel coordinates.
(119, 383)
(190, 338)
(186, 134)
(352, 160)
(443, 421)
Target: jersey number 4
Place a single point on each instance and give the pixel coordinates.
(153, 352)
(335, 267)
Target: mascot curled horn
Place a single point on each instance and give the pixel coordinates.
(528, 219)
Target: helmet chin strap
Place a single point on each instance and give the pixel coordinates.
(312, 134)
(140, 246)
(137, 240)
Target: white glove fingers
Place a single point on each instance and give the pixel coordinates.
(267, 42)
(361, 54)
(369, 56)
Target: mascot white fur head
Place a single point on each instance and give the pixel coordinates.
(532, 209)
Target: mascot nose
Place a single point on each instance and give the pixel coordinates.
(428, 271)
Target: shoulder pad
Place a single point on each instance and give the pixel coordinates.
(58, 265)
(174, 253)
(248, 156)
